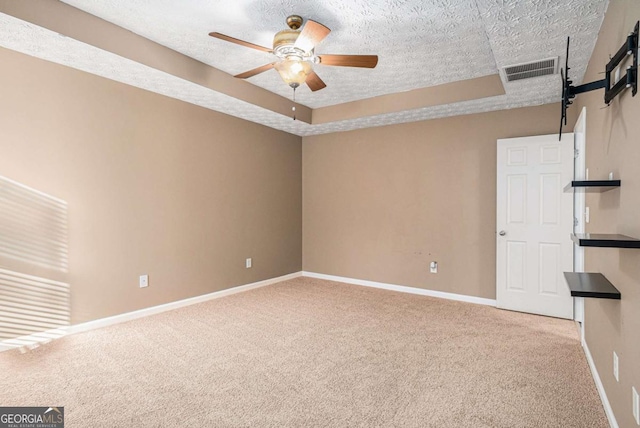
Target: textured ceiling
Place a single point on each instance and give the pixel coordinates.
(420, 43)
(409, 36)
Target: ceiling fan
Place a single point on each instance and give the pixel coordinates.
(295, 50)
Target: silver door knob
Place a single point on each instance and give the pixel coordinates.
(502, 233)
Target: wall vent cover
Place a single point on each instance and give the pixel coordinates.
(531, 69)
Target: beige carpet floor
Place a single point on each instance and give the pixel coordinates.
(313, 353)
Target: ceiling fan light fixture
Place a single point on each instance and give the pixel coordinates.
(295, 50)
(293, 70)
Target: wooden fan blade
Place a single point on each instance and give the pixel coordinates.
(239, 42)
(314, 82)
(312, 34)
(365, 61)
(255, 71)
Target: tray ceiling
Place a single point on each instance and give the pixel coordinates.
(420, 44)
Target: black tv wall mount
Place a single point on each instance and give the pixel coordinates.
(629, 80)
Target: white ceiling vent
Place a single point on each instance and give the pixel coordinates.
(531, 69)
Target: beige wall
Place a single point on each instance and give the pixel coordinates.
(379, 204)
(613, 144)
(154, 185)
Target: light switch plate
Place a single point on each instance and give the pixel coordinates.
(248, 263)
(144, 281)
(616, 367)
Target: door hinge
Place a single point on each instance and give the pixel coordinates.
(575, 222)
(576, 153)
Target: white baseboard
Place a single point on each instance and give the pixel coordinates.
(91, 325)
(404, 289)
(34, 340)
(600, 387)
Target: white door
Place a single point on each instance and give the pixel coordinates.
(534, 225)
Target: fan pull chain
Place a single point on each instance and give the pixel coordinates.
(294, 102)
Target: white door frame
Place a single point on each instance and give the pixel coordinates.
(579, 204)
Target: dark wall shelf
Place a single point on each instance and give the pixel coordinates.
(596, 285)
(592, 186)
(591, 285)
(605, 240)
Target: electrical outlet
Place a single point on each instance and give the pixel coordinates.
(616, 367)
(144, 281)
(636, 404)
(616, 76)
(586, 174)
(586, 215)
(433, 267)
(611, 176)
(248, 263)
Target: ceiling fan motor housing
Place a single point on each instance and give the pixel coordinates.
(283, 45)
(284, 41)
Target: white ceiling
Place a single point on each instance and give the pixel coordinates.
(414, 39)
(420, 43)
